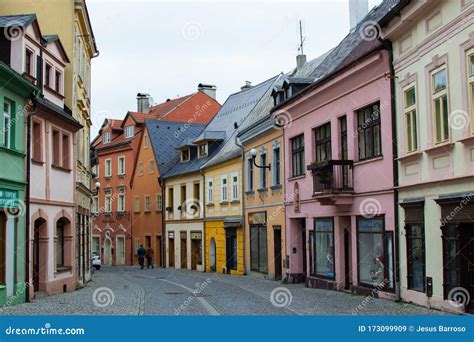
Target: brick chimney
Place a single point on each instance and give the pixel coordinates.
(208, 89)
(358, 9)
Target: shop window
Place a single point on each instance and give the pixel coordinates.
(415, 239)
(323, 248)
(258, 248)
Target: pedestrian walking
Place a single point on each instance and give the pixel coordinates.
(141, 253)
(149, 257)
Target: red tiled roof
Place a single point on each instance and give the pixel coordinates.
(166, 107)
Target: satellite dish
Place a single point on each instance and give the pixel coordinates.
(151, 101)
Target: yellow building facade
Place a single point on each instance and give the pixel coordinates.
(70, 20)
(223, 224)
(264, 200)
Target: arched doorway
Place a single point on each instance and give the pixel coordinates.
(40, 250)
(107, 252)
(212, 254)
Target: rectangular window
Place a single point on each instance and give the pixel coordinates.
(197, 192)
(140, 169)
(343, 137)
(375, 253)
(323, 248)
(7, 123)
(3, 248)
(297, 155)
(202, 150)
(121, 166)
(29, 62)
(210, 190)
(224, 188)
(95, 205)
(37, 143)
(136, 204)
(96, 245)
(471, 89)
(235, 186)
(108, 168)
(185, 155)
(146, 142)
(151, 167)
(440, 105)
(56, 148)
(250, 171)
(323, 143)
(171, 199)
(65, 150)
(121, 202)
(159, 202)
(128, 131)
(411, 120)
(58, 80)
(370, 143)
(47, 75)
(147, 204)
(108, 203)
(276, 167)
(60, 244)
(263, 171)
(106, 137)
(258, 248)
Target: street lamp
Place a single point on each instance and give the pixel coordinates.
(253, 154)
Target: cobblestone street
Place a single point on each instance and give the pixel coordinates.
(131, 291)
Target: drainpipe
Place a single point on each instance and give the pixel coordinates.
(27, 201)
(204, 219)
(161, 181)
(388, 46)
(237, 142)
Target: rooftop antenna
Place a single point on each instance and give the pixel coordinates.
(302, 39)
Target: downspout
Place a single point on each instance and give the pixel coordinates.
(388, 46)
(204, 219)
(27, 200)
(237, 142)
(161, 181)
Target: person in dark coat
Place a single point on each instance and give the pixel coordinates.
(149, 257)
(141, 253)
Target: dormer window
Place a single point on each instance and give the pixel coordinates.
(129, 132)
(47, 75)
(29, 62)
(202, 150)
(58, 81)
(185, 155)
(106, 137)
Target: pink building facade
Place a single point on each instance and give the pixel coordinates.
(339, 177)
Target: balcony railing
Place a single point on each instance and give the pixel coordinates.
(332, 177)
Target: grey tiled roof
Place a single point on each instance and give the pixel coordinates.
(211, 136)
(21, 20)
(165, 137)
(51, 38)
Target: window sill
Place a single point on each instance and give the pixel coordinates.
(224, 202)
(440, 148)
(60, 168)
(366, 161)
(147, 211)
(63, 269)
(276, 187)
(210, 204)
(121, 176)
(250, 192)
(294, 178)
(108, 214)
(12, 151)
(54, 92)
(37, 162)
(468, 141)
(263, 190)
(235, 201)
(107, 177)
(412, 156)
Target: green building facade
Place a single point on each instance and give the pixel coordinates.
(16, 96)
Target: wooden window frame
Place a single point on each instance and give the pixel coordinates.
(444, 128)
(297, 155)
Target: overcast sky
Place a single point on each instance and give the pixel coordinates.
(167, 48)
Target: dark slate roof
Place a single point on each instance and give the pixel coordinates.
(186, 143)
(21, 20)
(165, 137)
(211, 136)
(58, 111)
(50, 38)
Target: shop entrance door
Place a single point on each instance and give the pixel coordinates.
(466, 260)
(184, 254)
(171, 252)
(277, 252)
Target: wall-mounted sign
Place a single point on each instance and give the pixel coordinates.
(196, 235)
(258, 218)
(8, 198)
(171, 235)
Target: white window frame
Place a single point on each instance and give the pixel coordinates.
(250, 174)
(206, 148)
(151, 166)
(95, 204)
(470, 80)
(121, 202)
(136, 204)
(274, 165)
(159, 202)
(108, 203)
(410, 114)
(108, 167)
(129, 131)
(146, 141)
(140, 169)
(438, 96)
(7, 123)
(262, 171)
(235, 185)
(224, 189)
(147, 203)
(182, 155)
(121, 162)
(210, 190)
(106, 138)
